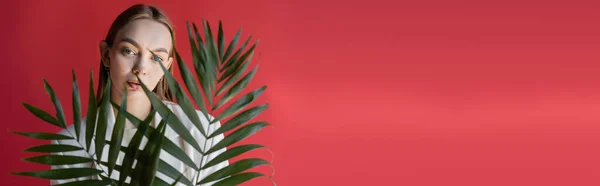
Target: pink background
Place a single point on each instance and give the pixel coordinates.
(419, 93)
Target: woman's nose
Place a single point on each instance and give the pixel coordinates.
(141, 66)
(137, 71)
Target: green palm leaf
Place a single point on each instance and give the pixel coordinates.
(177, 181)
(190, 83)
(43, 136)
(59, 159)
(117, 134)
(182, 99)
(61, 173)
(235, 56)
(231, 46)
(234, 168)
(233, 68)
(168, 146)
(198, 38)
(234, 77)
(131, 152)
(170, 171)
(87, 183)
(174, 122)
(76, 107)
(42, 114)
(221, 41)
(113, 181)
(238, 135)
(240, 104)
(159, 182)
(230, 153)
(205, 64)
(235, 64)
(90, 121)
(60, 115)
(238, 178)
(240, 119)
(102, 123)
(212, 55)
(145, 169)
(237, 88)
(199, 58)
(163, 167)
(53, 148)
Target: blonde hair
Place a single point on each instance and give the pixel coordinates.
(135, 12)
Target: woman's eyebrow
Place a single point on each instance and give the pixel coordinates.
(131, 41)
(160, 50)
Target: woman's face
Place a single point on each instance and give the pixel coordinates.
(130, 56)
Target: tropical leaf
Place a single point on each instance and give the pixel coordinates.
(90, 121)
(204, 64)
(102, 123)
(76, 107)
(230, 153)
(87, 183)
(235, 64)
(170, 171)
(240, 104)
(42, 114)
(59, 159)
(190, 83)
(159, 182)
(234, 168)
(177, 181)
(131, 152)
(53, 148)
(240, 119)
(238, 135)
(182, 99)
(237, 88)
(145, 169)
(197, 34)
(233, 68)
(60, 115)
(163, 167)
(113, 181)
(212, 54)
(44, 136)
(61, 173)
(235, 56)
(221, 41)
(234, 77)
(174, 122)
(238, 178)
(168, 146)
(117, 134)
(231, 46)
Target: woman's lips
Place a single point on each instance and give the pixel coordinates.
(134, 85)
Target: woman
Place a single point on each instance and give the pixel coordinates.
(125, 53)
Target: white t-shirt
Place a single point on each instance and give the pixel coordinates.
(165, 156)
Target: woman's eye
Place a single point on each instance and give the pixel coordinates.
(157, 58)
(128, 51)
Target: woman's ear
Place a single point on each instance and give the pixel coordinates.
(170, 62)
(104, 53)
